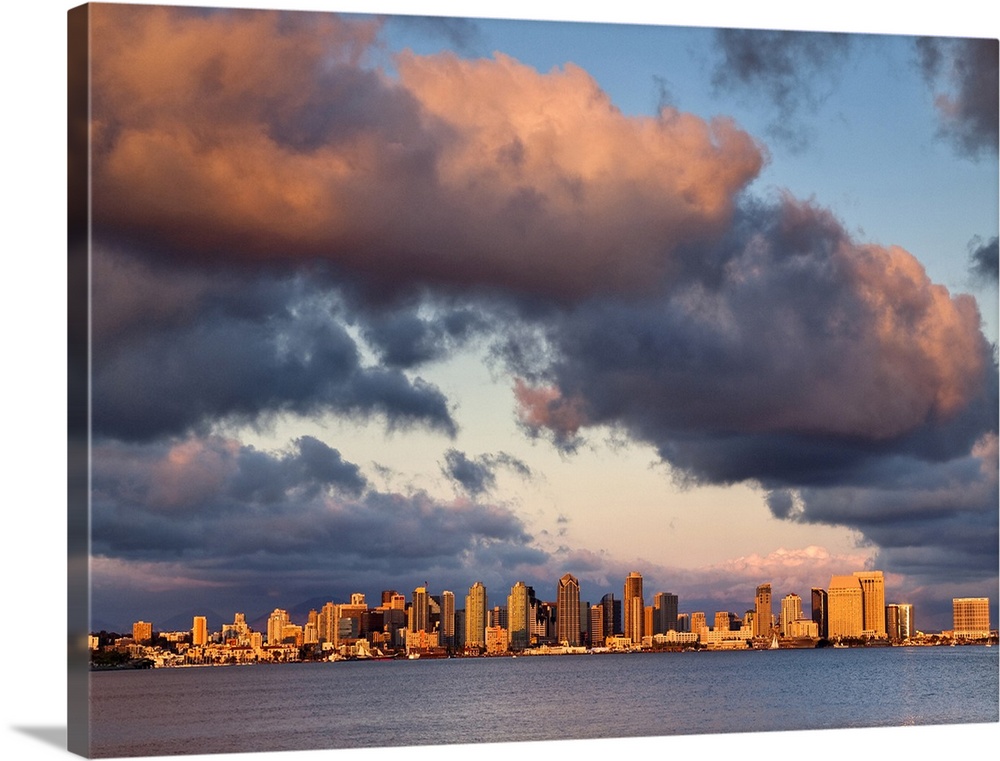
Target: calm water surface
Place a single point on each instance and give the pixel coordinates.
(355, 704)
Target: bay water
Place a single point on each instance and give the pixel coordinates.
(238, 709)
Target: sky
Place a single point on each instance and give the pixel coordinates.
(387, 301)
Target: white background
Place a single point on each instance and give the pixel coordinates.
(33, 371)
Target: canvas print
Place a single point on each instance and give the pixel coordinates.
(439, 381)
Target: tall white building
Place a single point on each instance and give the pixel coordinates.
(791, 610)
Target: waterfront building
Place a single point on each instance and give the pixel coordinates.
(519, 616)
(448, 618)
(568, 611)
(632, 605)
(142, 632)
(664, 613)
(762, 611)
(873, 602)
(497, 616)
(845, 607)
(475, 616)
(496, 640)
(199, 631)
(971, 617)
(791, 610)
(819, 610)
(585, 623)
(683, 622)
(899, 621)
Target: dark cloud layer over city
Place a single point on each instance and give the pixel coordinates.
(281, 229)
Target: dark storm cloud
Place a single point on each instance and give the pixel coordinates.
(984, 259)
(405, 339)
(794, 71)
(936, 522)
(807, 360)
(963, 74)
(239, 349)
(236, 513)
(478, 476)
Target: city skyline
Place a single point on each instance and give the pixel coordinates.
(602, 319)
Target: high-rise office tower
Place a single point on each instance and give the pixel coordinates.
(971, 617)
(873, 602)
(791, 610)
(519, 616)
(568, 610)
(698, 622)
(632, 604)
(906, 627)
(596, 626)
(819, 611)
(199, 631)
(664, 613)
(448, 618)
(845, 607)
(612, 615)
(475, 616)
(420, 611)
(762, 611)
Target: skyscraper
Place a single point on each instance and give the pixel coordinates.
(664, 613)
(899, 621)
(971, 617)
(568, 610)
(873, 602)
(275, 625)
(420, 611)
(448, 618)
(762, 611)
(475, 616)
(199, 631)
(597, 626)
(819, 611)
(519, 616)
(845, 607)
(632, 603)
(612, 614)
(791, 610)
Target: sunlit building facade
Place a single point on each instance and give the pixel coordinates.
(519, 616)
(791, 610)
(762, 611)
(873, 602)
(899, 621)
(475, 616)
(142, 631)
(448, 618)
(971, 617)
(632, 604)
(199, 631)
(845, 607)
(568, 611)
